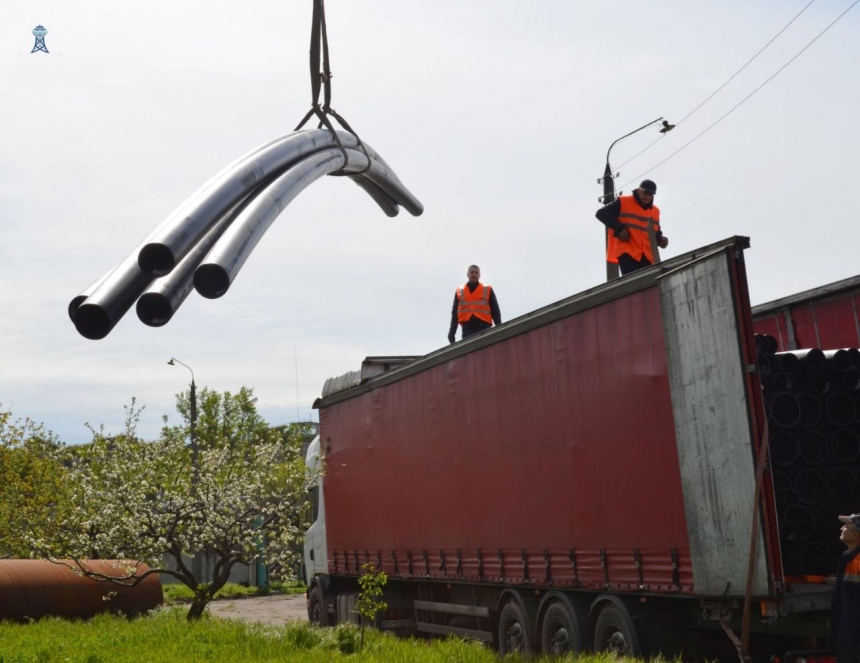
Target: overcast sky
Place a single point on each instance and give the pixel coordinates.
(497, 114)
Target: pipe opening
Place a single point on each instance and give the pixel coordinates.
(840, 408)
(93, 322)
(154, 309)
(783, 450)
(813, 447)
(810, 410)
(784, 410)
(156, 259)
(845, 445)
(811, 486)
(211, 281)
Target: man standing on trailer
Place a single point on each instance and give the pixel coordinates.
(846, 594)
(475, 306)
(635, 225)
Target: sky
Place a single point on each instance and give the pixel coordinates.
(497, 114)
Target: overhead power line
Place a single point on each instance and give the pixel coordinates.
(742, 101)
(730, 79)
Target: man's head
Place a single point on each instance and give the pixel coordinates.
(850, 534)
(473, 274)
(647, 190)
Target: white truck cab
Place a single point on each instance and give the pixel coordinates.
(316, 553)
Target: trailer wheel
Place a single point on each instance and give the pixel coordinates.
(615, 632)
(560, 631)
(514, 636)
(316, 608)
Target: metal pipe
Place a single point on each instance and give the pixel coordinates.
(109, 298)
(784, 448)
(782, 382)
(826, 520)
(786, 362)
(839, 408)
(32, 589)
(801, 523)
(184, 227)
(851, 379)
(812, 359)
(784, 409)
(109, 301)
(845, 445)
(838, 360)
(840, 485)
(216, 273)
(765, 364)
(810, 410)
(386, 203)
(80, 299)
(813, 447)
(822, 383)
(811, 486)
(163, 298)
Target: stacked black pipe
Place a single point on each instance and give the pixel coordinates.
(812, 399)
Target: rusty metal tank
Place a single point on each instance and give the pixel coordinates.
(31, 589)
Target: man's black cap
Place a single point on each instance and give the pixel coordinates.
(649, 186)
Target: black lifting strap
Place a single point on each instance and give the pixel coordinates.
(321, 79)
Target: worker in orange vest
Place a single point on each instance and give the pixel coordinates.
(635, 225)
(846, 594)
(475, 306)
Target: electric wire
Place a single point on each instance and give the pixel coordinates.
(715, 92)
(742, 101)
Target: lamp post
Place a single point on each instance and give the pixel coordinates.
(196, 559)
(608, 181)
(194, 449)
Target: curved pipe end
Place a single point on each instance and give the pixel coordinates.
(74, 304)
(416, 209)
(156, 259)
(154, 309)
(211, 281)
(93, 322)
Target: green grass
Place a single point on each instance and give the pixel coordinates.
(166, 637)
(178, 593)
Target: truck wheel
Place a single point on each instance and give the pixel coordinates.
(514, 636)
(316, 608)
(615, 632)
(560, 632)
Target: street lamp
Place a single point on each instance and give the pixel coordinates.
(608, 181)
(194, 450)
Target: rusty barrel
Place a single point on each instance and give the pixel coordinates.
(32, 588)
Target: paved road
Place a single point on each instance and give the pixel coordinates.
(277, 610)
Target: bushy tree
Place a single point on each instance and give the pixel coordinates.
(149, 501)
(32, 486)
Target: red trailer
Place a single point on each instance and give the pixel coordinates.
(824, 317)
(584, 476)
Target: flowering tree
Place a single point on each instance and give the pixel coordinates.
(241, 503)
(31, 482)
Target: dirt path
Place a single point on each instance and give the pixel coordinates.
(266, 609)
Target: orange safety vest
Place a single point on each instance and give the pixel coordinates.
(642, 224)
(474, 303)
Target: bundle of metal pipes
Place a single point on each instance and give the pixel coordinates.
(203, 244)
(813, 403)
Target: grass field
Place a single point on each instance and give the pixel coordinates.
(166, 637)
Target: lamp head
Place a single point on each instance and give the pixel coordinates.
(170, 363)
(666, 127)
